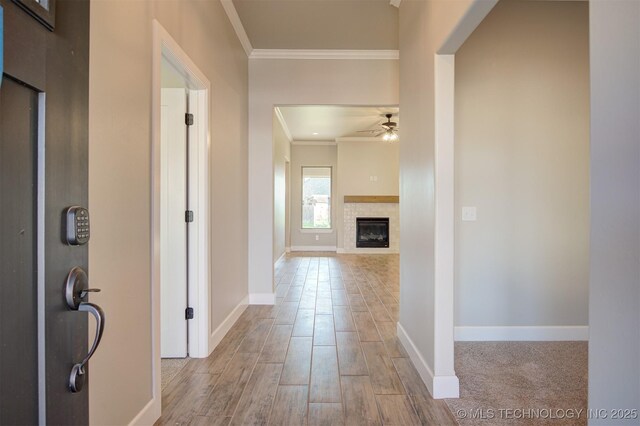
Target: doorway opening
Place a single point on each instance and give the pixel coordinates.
(342, 166)
(512, 201)
(180, 206)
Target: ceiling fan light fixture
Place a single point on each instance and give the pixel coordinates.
(390, 136)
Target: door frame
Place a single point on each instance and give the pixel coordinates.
(164, 46)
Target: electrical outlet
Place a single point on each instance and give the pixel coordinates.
(469, 214)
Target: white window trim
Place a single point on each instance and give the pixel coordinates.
(316, 230)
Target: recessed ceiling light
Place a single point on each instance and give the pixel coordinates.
(315, 133)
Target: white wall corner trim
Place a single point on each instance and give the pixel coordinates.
(262, 298)
(478, 10)
(313, 248)
(395, 3)
(232, 13)
(446, 387)
(439, 386)
(444, 257)
(323, 53)
(217, 335)
(522, 333)
(149, 414)
(285, 128)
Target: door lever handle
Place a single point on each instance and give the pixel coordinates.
(86, 291)
(75, 293)
(77, 377)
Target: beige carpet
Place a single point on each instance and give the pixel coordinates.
(170, 367)
(521, 383)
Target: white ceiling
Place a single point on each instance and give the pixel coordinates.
(333, 122)
(319, 24)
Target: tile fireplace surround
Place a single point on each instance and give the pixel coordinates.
(366, 206)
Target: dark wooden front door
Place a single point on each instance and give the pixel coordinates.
(43, 170)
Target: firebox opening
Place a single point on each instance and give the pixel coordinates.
(372, 232)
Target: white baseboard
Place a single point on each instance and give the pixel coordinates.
(149, 414)
(262, 298)
(216, 336)
(367, 251)
(280, 258)
(521, 334)
(153, 410)
(439, 386)
(313, 248)
(446, 387)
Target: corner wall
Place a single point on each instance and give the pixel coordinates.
(281, 155)
(614, 287)
(427, 27)
(120, 184)
(522, 158)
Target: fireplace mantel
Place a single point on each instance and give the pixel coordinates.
(371, 199)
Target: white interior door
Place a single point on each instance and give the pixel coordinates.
(173, 234)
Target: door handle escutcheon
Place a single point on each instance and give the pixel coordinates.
(75, 293)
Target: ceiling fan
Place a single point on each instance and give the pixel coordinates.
(389, 129)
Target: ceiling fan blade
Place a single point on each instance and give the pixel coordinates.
(366, 131)
(380, 133)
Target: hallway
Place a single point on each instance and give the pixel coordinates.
(327, 353)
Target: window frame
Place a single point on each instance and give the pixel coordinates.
(304, 229)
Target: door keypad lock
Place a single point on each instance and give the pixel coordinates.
(76, 292)
(76, 220)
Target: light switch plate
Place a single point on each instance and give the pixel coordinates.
(469, 214)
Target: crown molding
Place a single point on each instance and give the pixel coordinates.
(360, 139)
(232, 13)
(323, 54)
(314, 143)
(283, 123)
(395, 3)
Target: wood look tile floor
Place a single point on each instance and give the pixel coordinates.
(325, 354)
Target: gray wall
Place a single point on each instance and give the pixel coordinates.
(312, 155)
(522, 158)
(614, 289)
(119, 175)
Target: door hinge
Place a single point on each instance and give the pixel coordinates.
(188, 216)
(188, 313)
(188, 119)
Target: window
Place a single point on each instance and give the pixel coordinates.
(316, 197)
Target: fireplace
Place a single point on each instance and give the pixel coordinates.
(372, 232)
